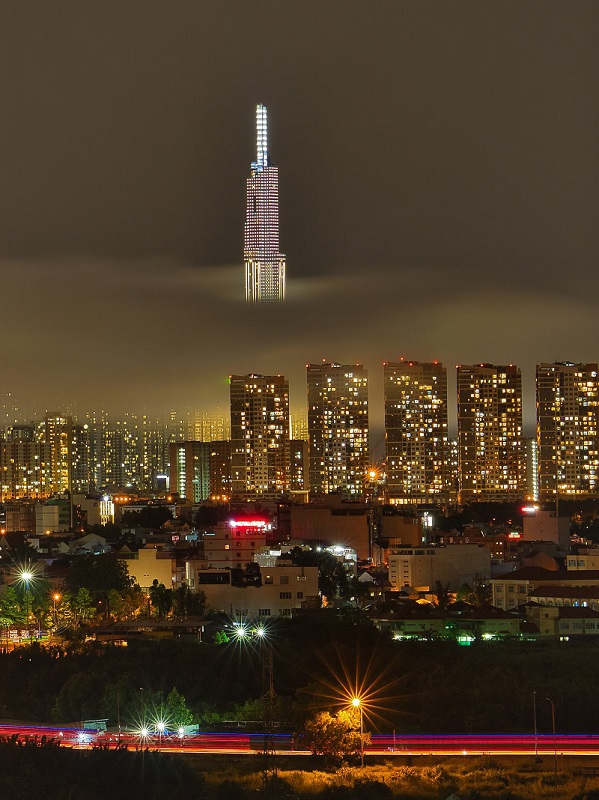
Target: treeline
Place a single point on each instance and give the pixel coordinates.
(318, 660)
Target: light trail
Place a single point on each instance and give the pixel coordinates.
(381, 744)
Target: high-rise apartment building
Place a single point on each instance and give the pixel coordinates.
(416, 432)
(260, 435)
(81, 468)
(208, 426)
(220, 469)
(490, 445)
(298, 466)
(121, 452)
(21, 464)
(56, 434)
(190, 470)
(338, 429)
(264, 263)
(568, 430)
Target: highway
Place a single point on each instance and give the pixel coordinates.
(249, 743)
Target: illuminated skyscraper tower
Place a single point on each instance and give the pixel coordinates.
(490, 433)
(259, 435)
(264, 263)
(338, 429)
(568, 430)
(416, 431)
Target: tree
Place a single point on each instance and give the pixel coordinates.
(334, 735)
(82, 607)
(443, 595)
(98, 574)
(123, 605)
(250, 576)
(80, 697)
(332, 578)
(161, 598)
(479, 594)
(177, 712)
(148, 517)
(12, 609)
(207, 516)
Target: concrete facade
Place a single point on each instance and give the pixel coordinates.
(423, 567)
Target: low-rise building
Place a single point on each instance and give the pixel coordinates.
(583, 558)
(281, 591)
(562, 621)
(234, 544)
(517, 587)
(148, 564)
(423, 567)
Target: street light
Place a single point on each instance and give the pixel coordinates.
(26, 577)
(357, 703)
(160, 729)
(55, 599)
(549, 700)
(534, 716)
(241, 632)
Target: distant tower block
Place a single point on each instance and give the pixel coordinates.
(264, 263)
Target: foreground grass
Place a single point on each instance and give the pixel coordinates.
(44, 769)
(469, 779)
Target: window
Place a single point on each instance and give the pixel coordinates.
(284, 580)
(285, 595)
(577, 626)
(301, 578)
(268, 579)
(264, 612)
(300, 595)
(227, 546)
(285, 612)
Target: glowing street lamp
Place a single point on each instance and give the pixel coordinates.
(549, 700)
(55, 599)
(26, 576)
(160, 728)
(357, 703)
(241, 632)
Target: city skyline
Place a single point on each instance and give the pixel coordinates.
(449, 216)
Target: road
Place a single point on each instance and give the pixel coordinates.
(248, 743)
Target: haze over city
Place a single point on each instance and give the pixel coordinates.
(437, 167)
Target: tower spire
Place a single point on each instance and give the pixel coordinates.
(262, 136)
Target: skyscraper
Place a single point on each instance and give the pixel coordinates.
(416, 431)
(260, 435)
(57, 434)
(190, 470)
(264, 263)
(490, 433)
(338, 429)
(568, 429)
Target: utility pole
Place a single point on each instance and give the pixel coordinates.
(269, 764)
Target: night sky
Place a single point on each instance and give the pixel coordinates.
(438, 177)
